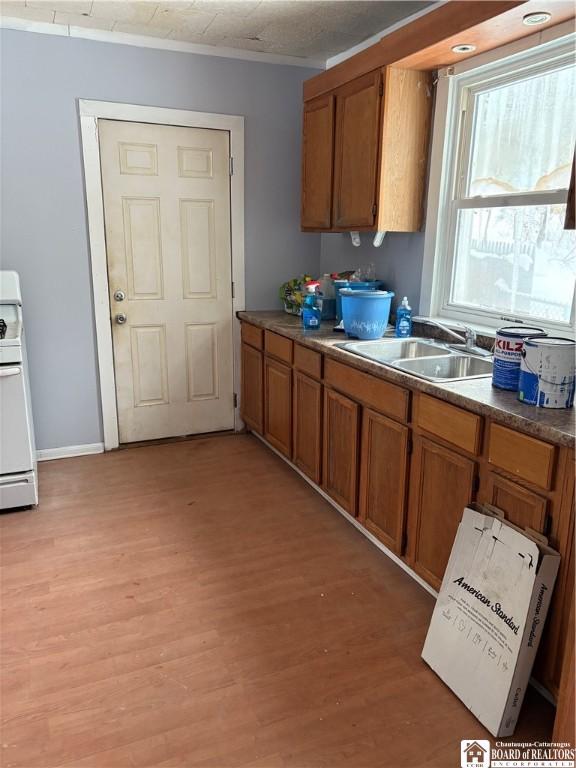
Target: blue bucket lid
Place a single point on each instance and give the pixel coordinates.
(366, 294)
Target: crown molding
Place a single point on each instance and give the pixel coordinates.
(340, 57)
(161, 43)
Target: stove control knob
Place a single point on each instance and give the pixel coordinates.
(121, 318)
(119, 295)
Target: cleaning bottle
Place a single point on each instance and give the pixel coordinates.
(404, 319)
(311, 310)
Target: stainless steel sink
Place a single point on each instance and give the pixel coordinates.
(389, 350)
(422, 357)
(448, 368)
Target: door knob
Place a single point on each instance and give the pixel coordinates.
(119, 295)
(121, 318)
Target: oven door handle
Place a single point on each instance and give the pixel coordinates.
(13, 371)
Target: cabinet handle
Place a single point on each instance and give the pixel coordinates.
(10, 371)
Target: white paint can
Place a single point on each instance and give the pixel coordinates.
(548, 372)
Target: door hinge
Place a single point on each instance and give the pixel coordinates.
(381, 89)
(374, 209)
(404, 542)
(235, 399)
(476, 484)
(231, 166)
(233, 290)
(547, 524)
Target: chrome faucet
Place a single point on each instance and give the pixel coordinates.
(467, 339)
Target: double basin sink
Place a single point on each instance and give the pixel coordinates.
(425, 358)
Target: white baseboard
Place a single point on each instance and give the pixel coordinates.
(388, 552)
(538, 686)
(68, 451)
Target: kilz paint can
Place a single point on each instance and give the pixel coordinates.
(547, 372)
(508, 354)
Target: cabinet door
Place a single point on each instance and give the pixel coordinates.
(383, 478)
(307, 425)
(356, 152)
(521, 507)
(317, 163)
(340, 470)
(278, 405)
(251, 406)
(442, 483)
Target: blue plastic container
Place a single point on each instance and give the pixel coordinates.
(353, 285)
(365, 313)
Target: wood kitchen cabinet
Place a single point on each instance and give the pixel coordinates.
(278, 405)
(366, 145)
(522, 507)
(317, 163)
(442, 483)
(384, 478)
(340, 465)
(356, 152)
(252, 398)
(350, 432)
(307, 425)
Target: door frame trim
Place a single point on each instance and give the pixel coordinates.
(89, 113)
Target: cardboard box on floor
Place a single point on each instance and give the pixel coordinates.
(489, 616)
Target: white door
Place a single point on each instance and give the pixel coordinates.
(167, 216)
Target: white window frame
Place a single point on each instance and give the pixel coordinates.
(450, 152)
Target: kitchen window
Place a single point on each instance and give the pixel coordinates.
(502, 253)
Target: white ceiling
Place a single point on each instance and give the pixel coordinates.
(315, 29)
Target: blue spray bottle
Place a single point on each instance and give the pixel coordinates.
(311, 309)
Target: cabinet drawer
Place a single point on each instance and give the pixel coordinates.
(308, 361)
(384, 397)
(452, 424)
(522, 456)
(252, 335)
(278, 346)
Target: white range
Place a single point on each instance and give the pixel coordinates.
(18, 475)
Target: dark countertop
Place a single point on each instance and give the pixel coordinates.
(476, 395)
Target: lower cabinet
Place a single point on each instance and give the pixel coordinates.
(521, 506)
(340, 466)
(384, 478)
(411, 502)
(442, 483)
(252, 398)
(307, 426)
(278, 405)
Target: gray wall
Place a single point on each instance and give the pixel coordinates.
(44, 232)
(398, 261)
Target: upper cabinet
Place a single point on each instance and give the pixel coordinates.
(365, 148)
(356, 152)
(317, 154)
(367, 119)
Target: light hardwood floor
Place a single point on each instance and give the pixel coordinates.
(198, 604)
